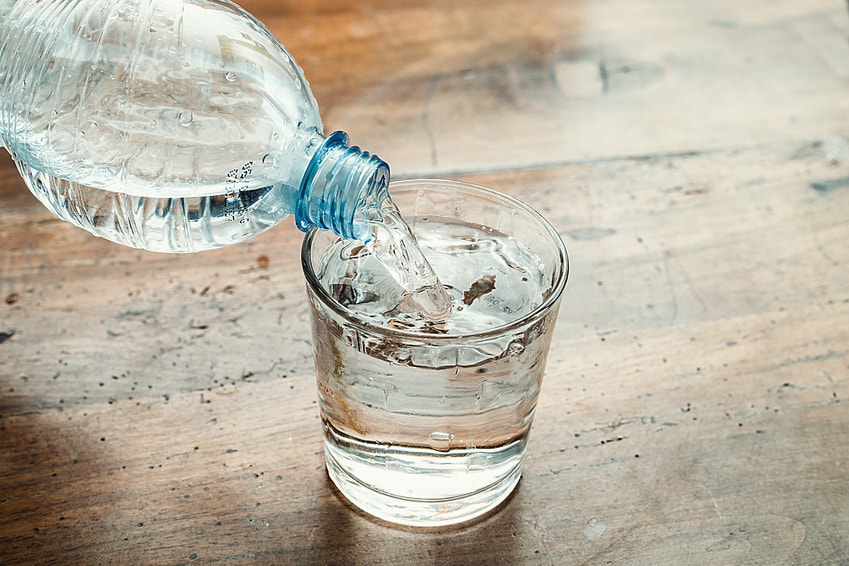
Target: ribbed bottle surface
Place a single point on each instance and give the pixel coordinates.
(168, 125)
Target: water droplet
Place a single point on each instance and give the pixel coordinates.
(349, 335)
(153, 123)
(230, 76)
(186, 117)
(269, 160)
(275, 136)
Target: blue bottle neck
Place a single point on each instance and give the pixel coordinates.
(342, 189)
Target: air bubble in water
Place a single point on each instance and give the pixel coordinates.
(515, 348)
(269, 160)
(440, 440)
(186, 117)
(230, 76)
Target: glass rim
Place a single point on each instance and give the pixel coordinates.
(353, 318)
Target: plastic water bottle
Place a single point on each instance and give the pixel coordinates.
(172, 125)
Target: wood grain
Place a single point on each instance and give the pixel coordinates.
(161, 409)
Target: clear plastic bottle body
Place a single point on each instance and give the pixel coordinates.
(168, 125)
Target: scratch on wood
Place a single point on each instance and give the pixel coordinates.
(674, 318)
(688, 282)
(431, 86)
(602, 73)
(826, 41)
(590, 233)
(712, 500)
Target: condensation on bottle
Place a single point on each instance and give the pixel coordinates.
(172, 125)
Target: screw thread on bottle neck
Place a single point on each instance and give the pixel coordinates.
(342, 189)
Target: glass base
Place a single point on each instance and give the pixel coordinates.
(421, 487)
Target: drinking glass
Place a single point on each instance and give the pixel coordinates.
(428, 425)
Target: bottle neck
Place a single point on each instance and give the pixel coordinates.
(342, 189)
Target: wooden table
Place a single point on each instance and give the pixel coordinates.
(160, 409)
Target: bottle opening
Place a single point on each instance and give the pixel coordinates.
(342, 189)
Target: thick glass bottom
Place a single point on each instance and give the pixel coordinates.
(422, 487)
